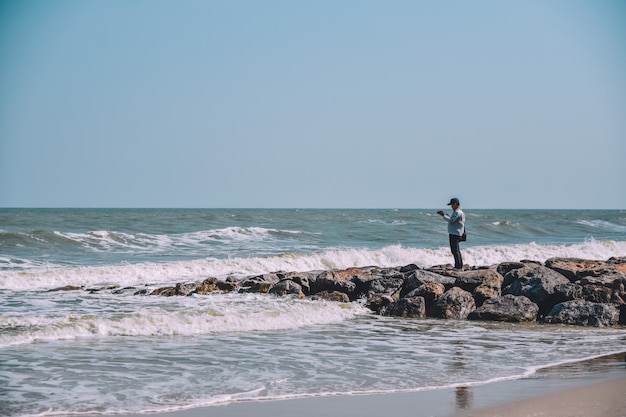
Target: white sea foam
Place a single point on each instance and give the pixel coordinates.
(128, 274)
(116, 315)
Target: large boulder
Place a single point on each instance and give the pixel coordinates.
(287, 287)
(419, 277)
(304, 279)
(538, 284)
(469, 280)
(339, 280)
(506, 267)
(405, 307)
(260, 283)
(583, 313)
(510, 308)
(515, 273)
(380, 283)
(431, 292)
(576, 269)
(455, 303)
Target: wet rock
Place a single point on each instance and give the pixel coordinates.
(538, 284)
(207, 286)
(576, 268)
(430, 292)
(228, 285)
(338, 280)
(589, 271)
(485, 292)
(567, 292)
(164, 291)
(334, 296)
(469, 280)
(412, 307)
(378, 282)
(259, 284)
(421, 277)
(597, 294)
(506, 267)
(455, 303)
(583, 313)
(509, 308)
(376, 302)
(287, 287)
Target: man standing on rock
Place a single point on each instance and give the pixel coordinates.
(456, 229)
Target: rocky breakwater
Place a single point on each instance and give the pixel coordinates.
(561, 290)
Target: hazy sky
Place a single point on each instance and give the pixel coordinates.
(340, 103)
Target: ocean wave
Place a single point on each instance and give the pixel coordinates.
(153, 273)
(118, 315)
(108, 241)
(603, 224)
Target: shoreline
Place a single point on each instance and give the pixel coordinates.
(588, 388)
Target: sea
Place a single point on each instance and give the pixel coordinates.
(104, 350)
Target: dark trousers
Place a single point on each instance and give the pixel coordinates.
(456, 251)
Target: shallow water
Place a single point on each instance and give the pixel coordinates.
(102, 352)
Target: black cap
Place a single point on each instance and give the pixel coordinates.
(454, 201)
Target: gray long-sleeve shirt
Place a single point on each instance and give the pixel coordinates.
(456, 222)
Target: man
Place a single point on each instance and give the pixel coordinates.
(456, 228)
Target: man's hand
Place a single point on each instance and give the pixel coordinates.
(440, 213)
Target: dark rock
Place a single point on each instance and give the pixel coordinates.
(506, 267)
(405, 307)
(409, 268)
(338, 280)
(431, 292)
(612, 279)
(622, 314)
(229, 285)
(334, 296)
(469, 280)
(485, 292)
(597, 294)
(455, 303)
(304, 279)
(567, 292)
(516, 273)
(379, 282)
(376, 302)
(181, 289)
(583, 313)
(123, 290)
(619, 263)
(420, 277)
(538, 284)
(207, 286)
(287, 287)
(510, 308)
(259, 283)
(164, 291)
(185, 289)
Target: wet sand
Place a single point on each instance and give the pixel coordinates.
(592, 388)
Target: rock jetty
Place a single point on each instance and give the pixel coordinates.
(561, 290)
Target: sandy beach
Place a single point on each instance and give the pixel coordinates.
(592, 388)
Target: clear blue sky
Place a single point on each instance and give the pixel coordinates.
(341, 103)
